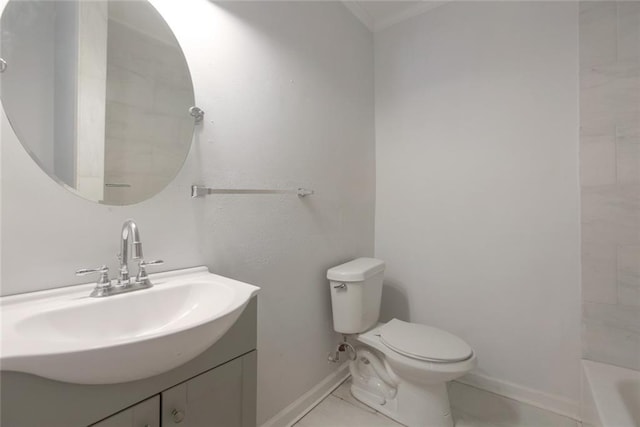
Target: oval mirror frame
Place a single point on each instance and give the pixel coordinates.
(104, 110)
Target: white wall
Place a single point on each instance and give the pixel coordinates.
(477, 197)
(288, 103)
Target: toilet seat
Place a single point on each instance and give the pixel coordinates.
(423, 342)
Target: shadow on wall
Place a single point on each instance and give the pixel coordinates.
(395, 303)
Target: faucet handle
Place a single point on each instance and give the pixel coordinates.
(103, 270)
(144, 263)
(142, 276)
(103, 285)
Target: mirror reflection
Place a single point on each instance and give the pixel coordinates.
(98, 92)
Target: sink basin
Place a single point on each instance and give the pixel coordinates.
(65, 335)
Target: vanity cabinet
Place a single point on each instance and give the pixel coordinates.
(144, 414)
(216, 389)
(215, 398)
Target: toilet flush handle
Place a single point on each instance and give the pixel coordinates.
(341, 286)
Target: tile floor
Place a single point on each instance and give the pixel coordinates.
(341, 409)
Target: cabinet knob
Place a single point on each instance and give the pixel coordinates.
(178, 416)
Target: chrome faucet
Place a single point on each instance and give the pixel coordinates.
(129, 237)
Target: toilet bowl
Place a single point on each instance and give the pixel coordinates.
(411, 387)
(401, 368)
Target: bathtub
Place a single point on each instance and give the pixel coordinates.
(610, 396)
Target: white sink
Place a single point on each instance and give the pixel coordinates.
(65, 335)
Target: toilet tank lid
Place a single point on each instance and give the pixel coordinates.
(357, 270)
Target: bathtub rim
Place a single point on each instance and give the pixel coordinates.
(600, 403)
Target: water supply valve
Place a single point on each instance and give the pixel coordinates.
(342, 348)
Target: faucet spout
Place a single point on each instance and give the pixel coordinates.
(130, 236)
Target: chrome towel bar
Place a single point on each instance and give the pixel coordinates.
(200, 191)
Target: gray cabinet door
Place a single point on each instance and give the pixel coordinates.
(212, 399)
(144, 414)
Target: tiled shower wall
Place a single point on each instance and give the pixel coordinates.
(610, 180)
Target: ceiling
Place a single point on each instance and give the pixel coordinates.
(378, 15)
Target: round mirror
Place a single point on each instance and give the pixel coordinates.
(99, 93)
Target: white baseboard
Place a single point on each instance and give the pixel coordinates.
(546, 401)
(298, 409)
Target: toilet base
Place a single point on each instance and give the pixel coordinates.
(414, 405)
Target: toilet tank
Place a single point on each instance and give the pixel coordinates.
(356, 290)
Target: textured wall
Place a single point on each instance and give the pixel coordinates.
(477, 204)
(288, 103)
(610, 178)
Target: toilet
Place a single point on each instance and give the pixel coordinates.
(400, 368)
